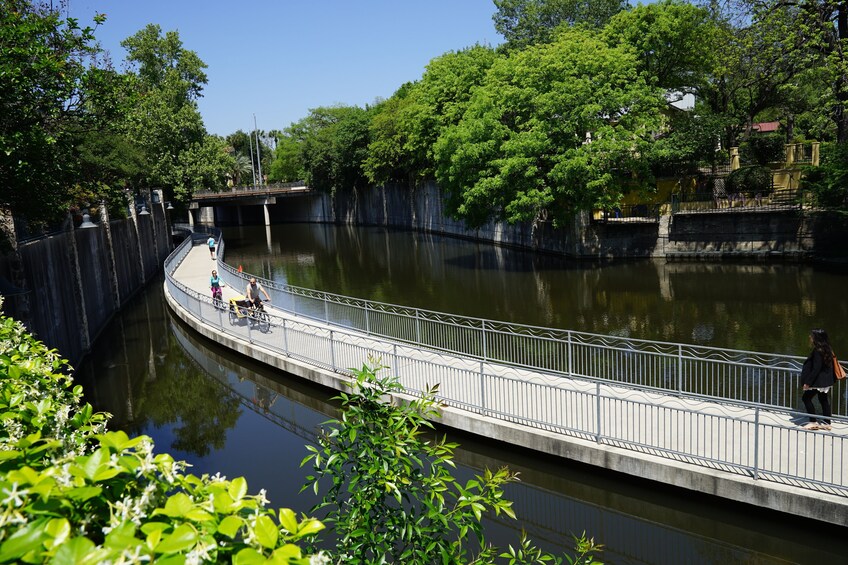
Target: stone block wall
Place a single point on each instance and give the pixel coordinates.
(75, 281)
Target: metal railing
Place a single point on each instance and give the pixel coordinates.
(741, 438)
(686, 370)
(253, 190)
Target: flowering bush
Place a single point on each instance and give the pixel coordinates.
(71, 492)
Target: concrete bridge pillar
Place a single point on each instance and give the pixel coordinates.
(191, 218)
(267, 214)
(207, 215)
(238, 211)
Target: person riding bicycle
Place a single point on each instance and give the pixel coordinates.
(252, 293)
(215, 283)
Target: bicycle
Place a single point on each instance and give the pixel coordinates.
(259, 317)
(217, 300)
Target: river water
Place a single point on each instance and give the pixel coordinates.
(224, 413)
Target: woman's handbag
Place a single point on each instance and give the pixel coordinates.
(838, 371)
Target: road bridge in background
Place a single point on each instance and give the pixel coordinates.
(205, 202)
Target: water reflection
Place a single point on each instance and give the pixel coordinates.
(763, 307)
(224, 413)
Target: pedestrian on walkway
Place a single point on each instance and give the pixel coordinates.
(817, 379)
(211, 243)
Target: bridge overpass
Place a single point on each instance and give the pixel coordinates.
(717, 421)
(204, 202)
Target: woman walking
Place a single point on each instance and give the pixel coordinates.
(817, 379)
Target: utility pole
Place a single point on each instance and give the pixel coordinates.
(258, 152)
(252, 168)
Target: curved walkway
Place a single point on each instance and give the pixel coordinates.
(748, 453)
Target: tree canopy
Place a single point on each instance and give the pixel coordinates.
(553, 127)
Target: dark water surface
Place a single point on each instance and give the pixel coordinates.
(751, 306)
(224, 413)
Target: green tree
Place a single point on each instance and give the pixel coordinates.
(287, 165)
(165, 120)
(333, 147)
(390, 496)
(405, 128)
(675, 42)
(526, 22)
(555, 128)
(52, 90)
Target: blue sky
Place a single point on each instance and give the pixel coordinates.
(277, 59)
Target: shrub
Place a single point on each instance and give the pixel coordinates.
(390, 496)
(762, 149)
(753, 179)
(829, 181)
(70, 492)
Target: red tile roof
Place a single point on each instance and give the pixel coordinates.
(765, 127)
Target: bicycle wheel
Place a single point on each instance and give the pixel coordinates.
(233, 318)
(264, 321)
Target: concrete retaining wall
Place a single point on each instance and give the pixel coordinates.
(76, 280)
(776, 234)
(422, 208)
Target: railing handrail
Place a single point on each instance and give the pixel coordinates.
(484, 321)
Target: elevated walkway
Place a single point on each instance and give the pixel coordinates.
(736, 449)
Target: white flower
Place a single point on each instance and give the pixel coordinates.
(319, 559)
(261, 498)
(15, 497)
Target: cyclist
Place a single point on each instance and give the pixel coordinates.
(215, 283)
(252, 293)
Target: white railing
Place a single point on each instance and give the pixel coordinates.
(675, 368)
(739, 437)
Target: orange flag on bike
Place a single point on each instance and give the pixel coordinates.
(240, 269)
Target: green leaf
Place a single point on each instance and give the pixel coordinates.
(288, 520)
(23, 541)
(230, 525)
(177, 506)
(238, 488)
(266, 532)
(309, 526)
(74, 552)
(248, 556)
(59, 529)
(181, 539)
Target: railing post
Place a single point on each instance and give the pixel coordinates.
(482, 389)
(367, 320)
(598, 412)
(417, 328)
(285, 337)
(570, 354)
(332, 350)
(483, 327)
(679, 369)
(326, 309)
(394, 352)
(756, 442)
(249, 328)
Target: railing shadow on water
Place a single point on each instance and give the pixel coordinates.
(734, 410)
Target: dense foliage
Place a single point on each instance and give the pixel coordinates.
(389, 492)
(74, 130)
(70, 492)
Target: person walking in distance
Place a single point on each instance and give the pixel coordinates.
(211, 243)
(817, 379)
